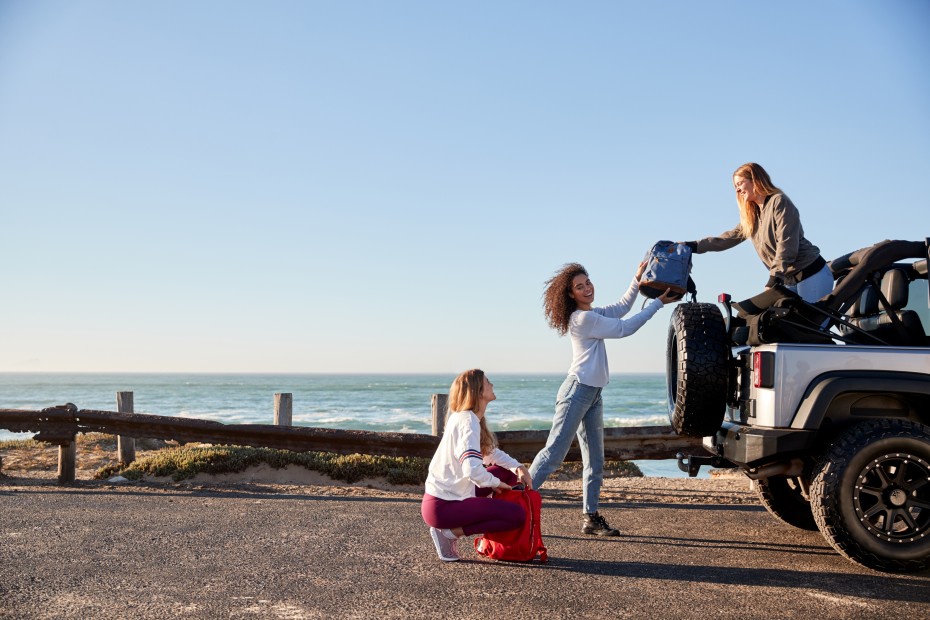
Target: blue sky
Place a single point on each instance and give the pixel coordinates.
(222, 186)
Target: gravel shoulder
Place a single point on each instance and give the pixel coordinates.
(263, 546)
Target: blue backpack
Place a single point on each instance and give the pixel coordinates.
(668, 266)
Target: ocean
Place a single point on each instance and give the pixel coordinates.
(379, 402)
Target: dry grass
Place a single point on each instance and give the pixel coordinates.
(95, 451)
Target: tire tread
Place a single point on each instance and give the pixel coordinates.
(698, 382)
(825, 490)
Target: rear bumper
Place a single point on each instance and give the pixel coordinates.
(750, 447)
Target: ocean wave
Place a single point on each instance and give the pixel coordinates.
(641, 420)
(398, 403)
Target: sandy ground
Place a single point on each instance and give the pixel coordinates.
(292, 543)
(39, 466)
(286, 544)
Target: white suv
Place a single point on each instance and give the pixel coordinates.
(825, 405)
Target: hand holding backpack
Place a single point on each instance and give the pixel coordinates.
(668, 266)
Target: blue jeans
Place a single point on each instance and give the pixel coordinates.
(578, 410)
(816, 286)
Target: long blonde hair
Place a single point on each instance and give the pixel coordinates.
(463, 396)
(749, 210)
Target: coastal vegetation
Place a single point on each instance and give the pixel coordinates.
(185, 462)
(156, 458)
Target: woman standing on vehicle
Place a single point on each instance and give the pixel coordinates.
(771, 221)
(456, 502)
(568, 305)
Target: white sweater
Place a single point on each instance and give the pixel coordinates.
(588, 328)
(458, 466)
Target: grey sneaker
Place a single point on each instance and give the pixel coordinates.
(597, 525)
(446, 547)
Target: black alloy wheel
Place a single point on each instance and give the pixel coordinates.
(870, 495)
(888, 500)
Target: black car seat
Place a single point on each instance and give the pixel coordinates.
(882, 313)
(864, 309)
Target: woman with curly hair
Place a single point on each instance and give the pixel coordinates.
(568, 305)
(770, 220)
(467, 467)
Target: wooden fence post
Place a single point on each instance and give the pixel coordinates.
(283, 408)
(438, 404)
(67, 461)
(125, 446)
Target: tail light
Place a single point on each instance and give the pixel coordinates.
(763, 369)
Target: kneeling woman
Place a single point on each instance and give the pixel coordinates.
(458, 501)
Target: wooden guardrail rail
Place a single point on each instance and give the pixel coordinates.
(60, 425)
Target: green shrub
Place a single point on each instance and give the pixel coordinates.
(186, 462)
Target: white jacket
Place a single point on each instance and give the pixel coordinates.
(458, 465)
(589, 328)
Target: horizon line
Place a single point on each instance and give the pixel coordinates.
(292, 373)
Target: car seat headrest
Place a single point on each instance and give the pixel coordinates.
(920, 267)
(895, 288)
(866, 304)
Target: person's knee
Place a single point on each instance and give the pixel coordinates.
(517, 517)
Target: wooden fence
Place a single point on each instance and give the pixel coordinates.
(60, 425)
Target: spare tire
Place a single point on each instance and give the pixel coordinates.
(696, 369)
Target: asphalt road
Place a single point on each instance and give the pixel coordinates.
(148, 551)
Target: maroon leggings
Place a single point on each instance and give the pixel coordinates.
(475, 515)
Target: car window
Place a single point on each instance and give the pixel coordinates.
(918, 300)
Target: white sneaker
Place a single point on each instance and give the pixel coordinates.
(446, 547)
